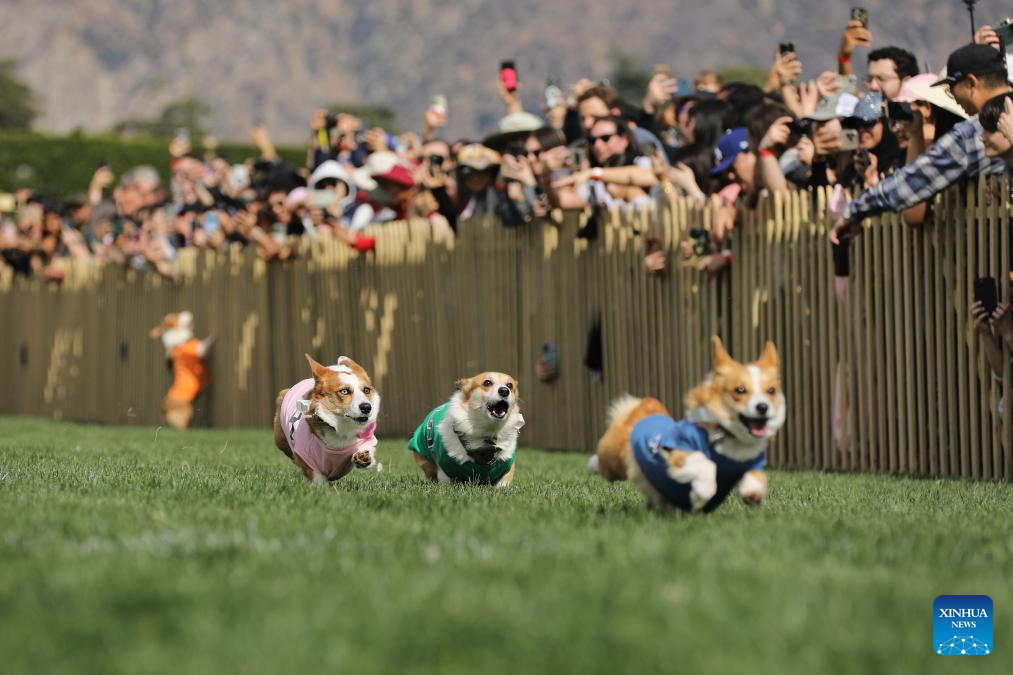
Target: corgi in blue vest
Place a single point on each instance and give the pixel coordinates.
(694, 463)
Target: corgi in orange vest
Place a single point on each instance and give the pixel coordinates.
(189, 370)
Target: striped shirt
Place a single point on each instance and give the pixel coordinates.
(957, 154)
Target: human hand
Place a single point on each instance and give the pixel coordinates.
(777, 133)
(511, 99)
(656, 262)
(866, 165)
(518, 169)
(1001, 320)
(319, 120)
(806, 150)
(1006, 120)
(683, 177)
(844, 230)
(986, 35)
(827, 83)
(583, 84)
(375, 139)
(808, 97)
(659, 89)
(827, 138)
(555, 158)
(435, 118)
(982, 319)
(855, 35)
(574, 179)
(787, 68)
(102, 178)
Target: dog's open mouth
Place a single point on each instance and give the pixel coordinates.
(498, 409)
(757, 426)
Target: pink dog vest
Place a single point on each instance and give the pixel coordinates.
(330, 462)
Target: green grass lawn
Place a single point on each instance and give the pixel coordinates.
(126, 550)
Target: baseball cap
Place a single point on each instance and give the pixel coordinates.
(869, 108)
(729, 146)
(973, 59)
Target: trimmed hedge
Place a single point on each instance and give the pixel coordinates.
(57, 166)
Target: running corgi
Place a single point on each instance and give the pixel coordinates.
(694, 463)
(189, 369)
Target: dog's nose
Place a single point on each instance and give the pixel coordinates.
(762, 408)
(504, 392)
(365, 408)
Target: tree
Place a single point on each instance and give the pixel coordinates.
(18, 105)
(748, 74)
(188, 113)
(627, 76)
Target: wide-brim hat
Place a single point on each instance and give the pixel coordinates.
(514, 126)
(478, 157)
(921, 88)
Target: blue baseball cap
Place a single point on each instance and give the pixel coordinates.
(729, 146)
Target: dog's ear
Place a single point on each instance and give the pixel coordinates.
(460, 384)
(319, 371)
(721, 358)
(768, 359)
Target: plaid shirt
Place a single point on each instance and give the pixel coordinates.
(958, 154)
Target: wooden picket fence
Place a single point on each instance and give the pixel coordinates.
(883, 371)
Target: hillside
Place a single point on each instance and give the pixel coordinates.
(96, 62)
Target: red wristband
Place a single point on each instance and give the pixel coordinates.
(766, 152)
(843, 59)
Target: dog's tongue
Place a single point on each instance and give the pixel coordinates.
(757, 427)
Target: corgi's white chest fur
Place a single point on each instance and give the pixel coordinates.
(725, 443)
(473, 428)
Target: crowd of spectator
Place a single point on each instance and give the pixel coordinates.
(895, 138)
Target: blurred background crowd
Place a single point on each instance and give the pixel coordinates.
(586, 150)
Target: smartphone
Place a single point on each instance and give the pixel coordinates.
(211, 222)
(439, 103)
(849, 139)
(508, 75)
(663, 69)
(986, 292)
(577, 157)
(786, 48)
(553, 94)
(860, 14)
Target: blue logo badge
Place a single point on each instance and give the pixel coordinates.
(962, 625)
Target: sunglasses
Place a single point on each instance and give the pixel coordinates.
(604, 138)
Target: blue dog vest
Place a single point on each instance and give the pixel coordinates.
(653, 434)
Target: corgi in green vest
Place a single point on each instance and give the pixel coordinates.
(472, 438)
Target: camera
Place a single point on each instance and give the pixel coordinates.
(331, 120)
(860, 14)
(800, 127)
(515, 149)
(786, 48)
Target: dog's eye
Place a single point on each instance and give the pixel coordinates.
(487, 383)
(740, 390)
(771, 391)
(344, 391)
(510, 385)
(366, 390)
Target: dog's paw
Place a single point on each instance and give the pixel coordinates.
(753, 489)
(362, 459)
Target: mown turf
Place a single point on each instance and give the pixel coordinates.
(126, 550)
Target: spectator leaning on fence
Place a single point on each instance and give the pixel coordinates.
(975, 73)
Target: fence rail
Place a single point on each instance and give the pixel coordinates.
(883, 372)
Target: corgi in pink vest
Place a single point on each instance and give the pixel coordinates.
(326, 423)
